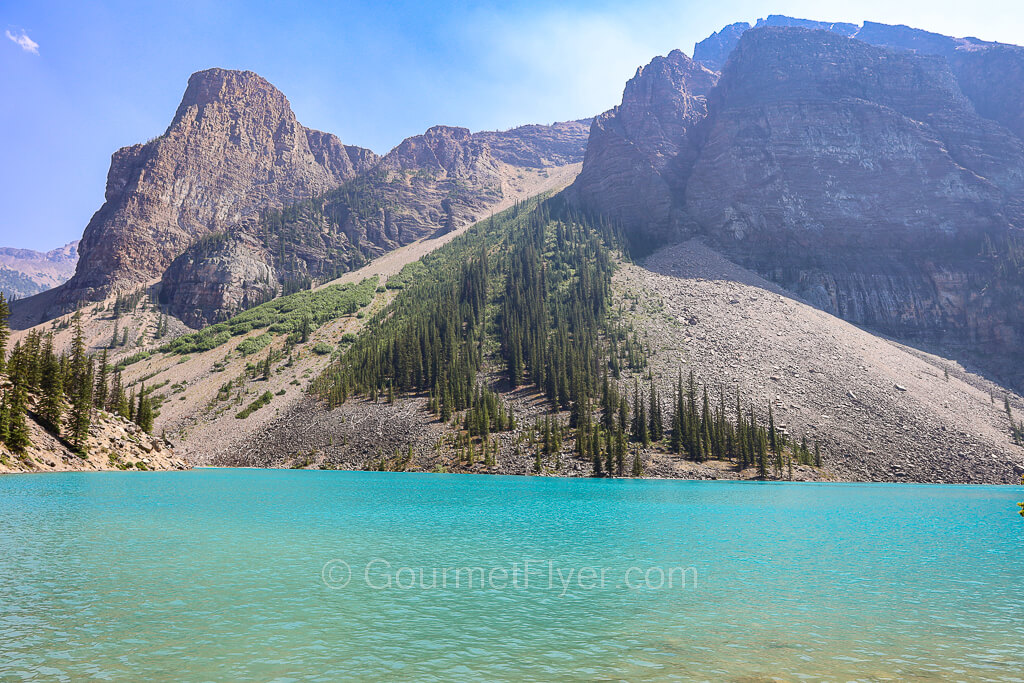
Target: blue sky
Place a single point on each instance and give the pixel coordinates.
(80, 79)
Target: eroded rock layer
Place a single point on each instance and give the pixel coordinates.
(234, 147)
(869, 179)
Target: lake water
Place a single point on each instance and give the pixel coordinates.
(238, 574)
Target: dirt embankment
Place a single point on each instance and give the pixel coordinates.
(113, 444)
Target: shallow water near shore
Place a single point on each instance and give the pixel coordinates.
(229, 574)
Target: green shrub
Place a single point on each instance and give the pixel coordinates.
(255, 344)
(322, 348)
(263, 400)
(284, 315)
(135, 358)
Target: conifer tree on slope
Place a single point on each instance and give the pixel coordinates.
(99, 398)
(144, 414)
(51, 403)
(5, 334)
(80, 389)
(17, 428)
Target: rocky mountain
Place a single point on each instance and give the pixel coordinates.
(714, 50)
(991, 75)
(881, 411)
(24, 272)
(429, 184)
(536, 146)
(237, 201)
(639, 153)
(234, 147)
(863, 178)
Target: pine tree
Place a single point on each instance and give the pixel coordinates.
(80, 389)
(102, 390)
(656, 428)
(51, 404)
(638, 466)
(742, 447)
(609, 453)
(5, 416)
(620, 453)
(641, 434)
(762, 453)
(676, 438)
(144, 413)
(17, 427)
(118, 402)
(609, 403)
(773, 441)
(705, 428)
(5, 334)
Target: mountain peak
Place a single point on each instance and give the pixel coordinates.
(233, 148)
(226, 86)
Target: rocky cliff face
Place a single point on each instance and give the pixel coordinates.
(218, 273)
(536, 146)
(714, 50)
(234, 147)
(991, 75)
(816, 136)
(861, 177)
(432, 183)
(639, 153)
(235, 164)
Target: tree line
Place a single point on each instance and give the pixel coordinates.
(528, 294)
(62, 390)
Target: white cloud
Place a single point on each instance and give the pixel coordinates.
(24, 42)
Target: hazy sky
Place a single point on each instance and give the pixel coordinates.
(80, 79)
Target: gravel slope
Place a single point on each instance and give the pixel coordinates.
(882, 411)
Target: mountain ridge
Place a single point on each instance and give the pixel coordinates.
(234, 151)
(816, 180)
(861, 177)
(25, 272)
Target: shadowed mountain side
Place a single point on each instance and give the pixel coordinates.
(862, 178)
(990, 74)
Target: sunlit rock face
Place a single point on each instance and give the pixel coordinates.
(234, 147)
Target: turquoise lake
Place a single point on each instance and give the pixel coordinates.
(237, 574)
